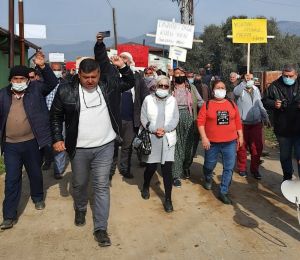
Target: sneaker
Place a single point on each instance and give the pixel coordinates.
(177, 183)
(46, 166)
(102, 238)
(145, 193)
(225, 199)
(256, 175)
(79, 218)
(39, 205)
(7, 224)
(187, 174)
(207, 185)
(168, 206)
(243, 174)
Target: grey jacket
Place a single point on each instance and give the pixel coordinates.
(250, 106)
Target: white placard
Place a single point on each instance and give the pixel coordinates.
(177, 53)
(174, 34)
(56, 57)
(159, 62)
(33, 31)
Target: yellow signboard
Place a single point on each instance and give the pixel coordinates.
(249, 30)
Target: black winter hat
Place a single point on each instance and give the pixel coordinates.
(19, 70)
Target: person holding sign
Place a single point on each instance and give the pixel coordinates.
(220, 128)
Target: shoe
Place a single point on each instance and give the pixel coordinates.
(225, 199)
(187, 174)
(102, 238)
(79, 218)
(7, 224)
(145, 193)
(207, 185)
(46, 166)
(58, 176)
(177, 183)
(127, 175)
(39, 205)
(243, 174)
(256, 175)
(168, 206)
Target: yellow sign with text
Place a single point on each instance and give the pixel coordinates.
(249, 30)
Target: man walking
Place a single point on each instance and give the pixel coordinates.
(283, 98)
(91, 112)
(25, 129)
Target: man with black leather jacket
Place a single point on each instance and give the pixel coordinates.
(283, 98)
(91, 110)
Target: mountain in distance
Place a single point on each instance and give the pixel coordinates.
(290, 27)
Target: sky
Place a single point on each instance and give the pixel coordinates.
(70, 21)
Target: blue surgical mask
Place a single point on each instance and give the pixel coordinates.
(191, 80)
(162, 93)
(250, 83)
(288, 81)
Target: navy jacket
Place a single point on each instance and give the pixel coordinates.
(34, 105)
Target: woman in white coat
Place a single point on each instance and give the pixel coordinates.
(161, 111)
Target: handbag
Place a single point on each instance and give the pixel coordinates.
(142, 142)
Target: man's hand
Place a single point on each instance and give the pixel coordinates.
(39, 59)
(240, 142)
(278, 104)
(99, 37)
(59, 146)
(267, 123)
(117, 61)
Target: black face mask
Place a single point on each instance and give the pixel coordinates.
(180, 79)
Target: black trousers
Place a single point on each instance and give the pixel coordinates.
(167, 176)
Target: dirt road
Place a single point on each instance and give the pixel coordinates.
(260, 224)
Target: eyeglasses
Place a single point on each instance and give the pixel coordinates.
(93, 105)
(163, 86)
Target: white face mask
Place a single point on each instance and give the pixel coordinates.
(19, 86)
(162, 93)
(220, 93)
(250, 84)
(58, 73)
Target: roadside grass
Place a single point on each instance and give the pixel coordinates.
(2, 168)
(270, 136)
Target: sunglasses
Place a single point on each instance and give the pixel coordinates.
(163, 86)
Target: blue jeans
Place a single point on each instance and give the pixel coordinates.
(286, 145)
(228, 152)
(15, 156)
(94, 162)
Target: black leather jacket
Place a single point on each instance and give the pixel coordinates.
(66, 106)
(286, 119)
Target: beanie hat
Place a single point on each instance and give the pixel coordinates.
(18, 70)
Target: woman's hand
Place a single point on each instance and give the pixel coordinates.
(160, 132)
(240, 141)
(205, 143)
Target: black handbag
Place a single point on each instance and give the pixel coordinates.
(142, 143)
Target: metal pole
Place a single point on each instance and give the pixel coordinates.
(21, 31)
(11, 22)
(248, 59)
(115, 28)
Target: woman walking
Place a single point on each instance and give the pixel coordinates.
(188, 99)
(161, 111)
(220, 128)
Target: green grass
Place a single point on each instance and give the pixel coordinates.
(269, 135)
(2, 168)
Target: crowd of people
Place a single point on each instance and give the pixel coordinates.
(100, 110)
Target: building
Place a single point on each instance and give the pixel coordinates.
(4, 54)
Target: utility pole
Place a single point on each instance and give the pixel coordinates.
(21, 32)
(186, 11)
(115, 28)
(11, 23)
